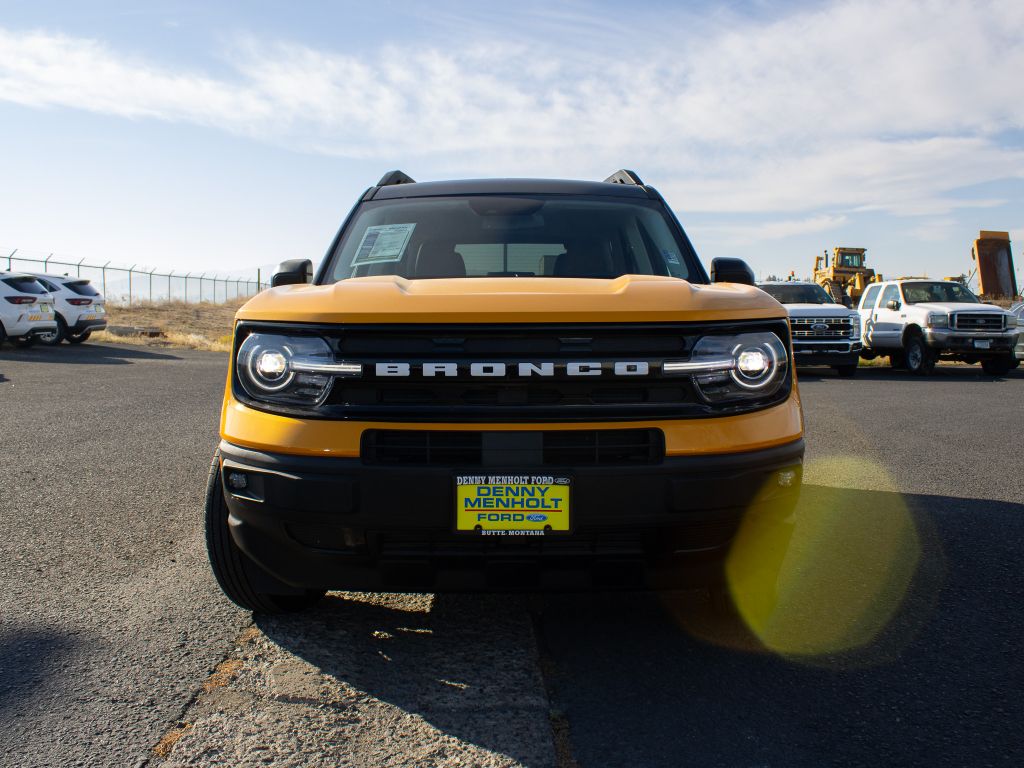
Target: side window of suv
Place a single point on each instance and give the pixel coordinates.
(891, 293)
(869, 296)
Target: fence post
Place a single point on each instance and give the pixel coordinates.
(186, 286)
(46, 262)
(201, 287)
(9, 257)
(78, 269)
(151, 284)
(103, 271)
(258, 280)
(130, 270)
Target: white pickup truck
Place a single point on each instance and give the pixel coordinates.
(824, 332)
(916, 321)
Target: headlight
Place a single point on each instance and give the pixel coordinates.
(741, 367)
(938, 320)
(1011, 321)
(855, 327)
(289, 369)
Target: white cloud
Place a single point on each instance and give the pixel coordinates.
(751, 234)
(889, 106)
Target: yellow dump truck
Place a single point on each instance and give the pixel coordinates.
(994, 263)
(847, 276)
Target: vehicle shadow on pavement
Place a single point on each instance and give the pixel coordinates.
(665, 680)
(467, 666)
(84, 354)
(28, 658)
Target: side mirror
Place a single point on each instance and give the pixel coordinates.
(726, 270)
(892, 304)
(292, 272)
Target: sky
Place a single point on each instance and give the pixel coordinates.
(226, 136)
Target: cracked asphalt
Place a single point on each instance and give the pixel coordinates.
(894, 635)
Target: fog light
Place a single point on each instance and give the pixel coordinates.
(786, 478)
(238, 481)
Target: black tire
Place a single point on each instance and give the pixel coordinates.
(997, 366)
(78, 338)
(920, 360)
(846, 371)
(58, 336)
(24, 342)
(228, 562)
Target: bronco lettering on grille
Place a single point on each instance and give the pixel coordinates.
(524, 369)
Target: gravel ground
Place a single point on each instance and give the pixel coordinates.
(116, 647)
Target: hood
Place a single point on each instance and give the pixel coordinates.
(392, 299)
(957, 306)
(818, 310)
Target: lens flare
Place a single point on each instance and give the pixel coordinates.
(831, 578)
(822, 583)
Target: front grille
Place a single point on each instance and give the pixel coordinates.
(840, 346)
(978, 321)
(395, 447)
(829, 328)
(511, 397)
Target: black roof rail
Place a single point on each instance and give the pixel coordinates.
(625, 177)
(395, 177)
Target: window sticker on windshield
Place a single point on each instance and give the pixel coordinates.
(383, 243)
(671, 257)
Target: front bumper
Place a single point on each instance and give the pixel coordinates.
(833, 353)
(337, 523)
(965, 342)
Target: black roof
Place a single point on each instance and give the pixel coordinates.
(506, 186)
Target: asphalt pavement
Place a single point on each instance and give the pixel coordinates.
(890, 634)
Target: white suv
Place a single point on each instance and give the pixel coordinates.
(915, 321)
(79, 306)
(26, 310)
(824, 333)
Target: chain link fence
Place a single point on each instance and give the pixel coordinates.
(120, 283)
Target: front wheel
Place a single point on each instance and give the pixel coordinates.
(920, 359)
(230, 565)
(997, 366)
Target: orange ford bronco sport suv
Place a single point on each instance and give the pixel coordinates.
(499, 384)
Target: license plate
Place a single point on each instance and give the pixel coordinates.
(982, 343)
(512, 505)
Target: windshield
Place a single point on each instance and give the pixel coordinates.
(940, 290)
(797, 294)
(515, 236)
(850, 260)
